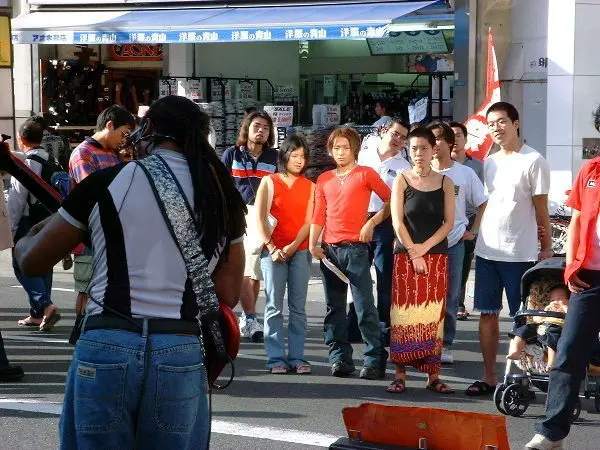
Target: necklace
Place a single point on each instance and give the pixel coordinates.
(421, 174)
(342, 178)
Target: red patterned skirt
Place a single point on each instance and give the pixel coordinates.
(417, 314)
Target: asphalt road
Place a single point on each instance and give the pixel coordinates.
(259, 410)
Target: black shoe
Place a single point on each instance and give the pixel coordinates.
(11, 373)
(371, 373)
(342, 369)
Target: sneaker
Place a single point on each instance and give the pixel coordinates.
(540, 442)
(371, 373)
(342, 369)
(447, 357)
(254, 330)
(243, 333)
(11, 373)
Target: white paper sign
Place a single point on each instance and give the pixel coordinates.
(333, 114)
(283, 116)
(417, 111)
(284, 91)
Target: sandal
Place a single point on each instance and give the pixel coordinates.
(302, 369)
(278, 370)
(50, 319)
(439, 388)
(28, 322)
(462, 315)
(398, 386)
(479, 389)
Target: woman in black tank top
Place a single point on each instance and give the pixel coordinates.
(423, 215)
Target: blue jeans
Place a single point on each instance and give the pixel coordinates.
(382, 252)
(294, 273)
(491, 277)
(38, 289)
(129, 390)
(575, 347)
(456, 256)
(353, 260)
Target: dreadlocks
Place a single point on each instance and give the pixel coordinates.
(217, 202)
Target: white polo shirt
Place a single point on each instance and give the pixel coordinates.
(468, 192)
(388, 170)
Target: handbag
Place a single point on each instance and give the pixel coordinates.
(253, 241)
(220, 334)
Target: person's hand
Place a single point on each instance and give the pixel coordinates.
(118, 88)
(126, 154)
(288, 251)
(417, 251)
(545, 254)
(366, 232)
(576, 284)
(468, 236)
(419, 265)
(277, 256)
(318, 253)
(81, 303)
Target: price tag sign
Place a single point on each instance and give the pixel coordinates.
(194, 90)
(283, 116)
(333, 114)
(284, 91)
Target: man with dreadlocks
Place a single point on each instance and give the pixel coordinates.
(138, 376)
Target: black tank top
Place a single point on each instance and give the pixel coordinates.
(423, 216)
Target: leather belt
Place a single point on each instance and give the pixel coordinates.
(136, 325)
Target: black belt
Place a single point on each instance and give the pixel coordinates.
(136, 325)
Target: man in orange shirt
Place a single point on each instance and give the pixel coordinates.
(341, 205)
(582, 325)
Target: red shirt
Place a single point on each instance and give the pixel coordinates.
(342, 208)
(289, 208)
(585, 198)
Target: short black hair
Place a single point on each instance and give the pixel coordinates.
(40, 120)
(508, 108)
(32, 132)
(250, 109)
(118, 115)
(400, 121)
(422, 132)
(289, 144)
(384, 104)
(447, 133)
(461, 126)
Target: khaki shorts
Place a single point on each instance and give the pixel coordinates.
(82, 271)
(252, 269)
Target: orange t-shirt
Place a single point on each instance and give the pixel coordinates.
(289, 208)
(342, 209)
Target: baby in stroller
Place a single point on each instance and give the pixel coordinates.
(545, 330)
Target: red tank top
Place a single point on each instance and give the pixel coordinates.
(289, 208)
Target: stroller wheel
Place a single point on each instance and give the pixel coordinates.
(576, 410)
(515, 400)
(498, 397)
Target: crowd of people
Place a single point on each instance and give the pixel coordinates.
(420, 218)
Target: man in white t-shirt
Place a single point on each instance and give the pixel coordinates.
(518, 181)
(469, 192)
(381, 109)
(388, 162)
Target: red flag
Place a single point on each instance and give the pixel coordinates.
(479, 140)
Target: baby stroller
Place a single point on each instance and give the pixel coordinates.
(514, 394)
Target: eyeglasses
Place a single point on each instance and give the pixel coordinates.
(500, 123)
(397, 135)
(124, 133)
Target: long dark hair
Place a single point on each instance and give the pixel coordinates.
(217, 202)
(245, 129)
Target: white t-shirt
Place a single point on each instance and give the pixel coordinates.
(388, 170)
(508, 230)
(382, 121)
(468, 191)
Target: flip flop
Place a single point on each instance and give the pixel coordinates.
(439, 388)
(398, 386)
(49, 321)
(480, 389)
(28, 323)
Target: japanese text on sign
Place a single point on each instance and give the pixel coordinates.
(283, 116)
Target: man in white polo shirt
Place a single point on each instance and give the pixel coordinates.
(387, 161)
(469, 192)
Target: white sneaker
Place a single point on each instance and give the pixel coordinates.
(253, 330)
(540, 442)
(243, 327)
(447, 357)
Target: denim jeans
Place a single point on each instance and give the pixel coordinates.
(3, 358)
(38, 289)
(294, 273)
(130, 390)
(353, 260)
(456, 255)
(382, 252)
(575, 348)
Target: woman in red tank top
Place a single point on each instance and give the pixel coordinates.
(285, 259)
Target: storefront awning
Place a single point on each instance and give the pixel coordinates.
(239, 24)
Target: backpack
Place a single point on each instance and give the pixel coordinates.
(53, 174)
